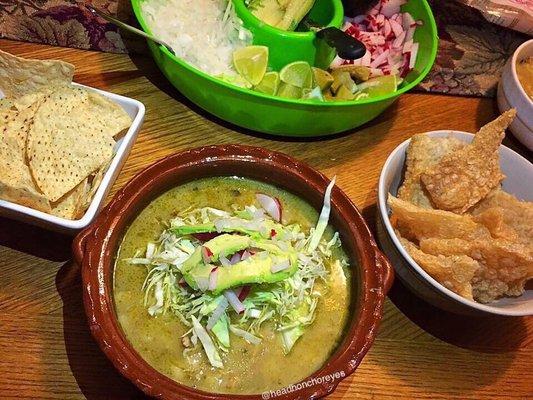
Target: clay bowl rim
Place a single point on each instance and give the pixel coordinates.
(95, 247)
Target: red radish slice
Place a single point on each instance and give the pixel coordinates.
(412, 57)
(183, 283)
(235, 258)
(246, 254)
(244, 292)
(234, 301)
(205, 236)
(271, 205)
(206, 254)
(213, 277)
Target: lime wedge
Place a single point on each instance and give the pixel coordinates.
(289, 91)
(314, 94)
(322, 78)
(298, 74)
(269, 84)
(380, 85)
(251, 62)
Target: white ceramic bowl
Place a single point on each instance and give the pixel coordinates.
(517, 170)
(136, 111)
(511, 94)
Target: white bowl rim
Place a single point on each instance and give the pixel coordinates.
(513, 69)
(382, 204)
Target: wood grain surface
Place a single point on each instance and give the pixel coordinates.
(46, 350)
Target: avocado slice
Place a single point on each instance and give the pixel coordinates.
(255, 269)
(210, 228)
(194, 270)
(198, 278)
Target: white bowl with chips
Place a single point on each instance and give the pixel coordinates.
(518, 172)
(123, 145)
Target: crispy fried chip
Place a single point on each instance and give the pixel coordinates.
(16, 183)
(69, 206)
(418, 223)
(19, 76)
(424, 151)
(65, 146)
(464, 177)
(505, 266)
(454, 272)
(515, 215)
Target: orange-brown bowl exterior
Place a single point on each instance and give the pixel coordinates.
(95, 249)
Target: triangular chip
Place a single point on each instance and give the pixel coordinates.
(15, 125)
(106, 115)
(454, 272)
(69, 206)
(19, 76)
(66, 143)
(423, 152)
(466, 176)
(16, 183)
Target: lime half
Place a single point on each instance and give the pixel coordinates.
(251, 62)
(298, 74)
(380, 85)
(269, 84)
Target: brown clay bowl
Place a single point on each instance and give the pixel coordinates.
(95, 249)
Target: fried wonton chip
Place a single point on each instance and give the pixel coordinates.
(19, 76)
(505, 266)
(70, 205)
(516, 215)
(65, 145)
(423, 152)
(16, 184)
(464, 177)
(454, 272)
(418, 223)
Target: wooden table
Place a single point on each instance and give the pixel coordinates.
(421, 352)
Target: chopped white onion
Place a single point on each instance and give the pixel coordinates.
(235, 258)
(245, 335)
(224, 260)
(280, 266)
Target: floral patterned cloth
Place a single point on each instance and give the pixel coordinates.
(472, 51)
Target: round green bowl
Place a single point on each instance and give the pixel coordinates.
(290, 117)
(304, 46)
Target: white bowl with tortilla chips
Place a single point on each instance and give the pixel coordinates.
(518, 173)
(108, 175)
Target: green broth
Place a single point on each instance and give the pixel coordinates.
(247, 368)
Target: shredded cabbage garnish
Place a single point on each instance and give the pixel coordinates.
(290, 304)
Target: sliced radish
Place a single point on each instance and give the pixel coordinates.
(235, 258)
(244, 291)
(271, 205)
(412, 56)
(213, 277)
(234, 301)
(206, 254)
(205, 236)
(245, 254)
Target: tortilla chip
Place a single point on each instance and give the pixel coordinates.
(16, 184)
(505, 266)
(420, 223)
(106, 115)
(16, 125)
(69, 206)
(19, 76)
(516, 215)
(423, 152)
(64, 145)
(464, 177)
(454, 272)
